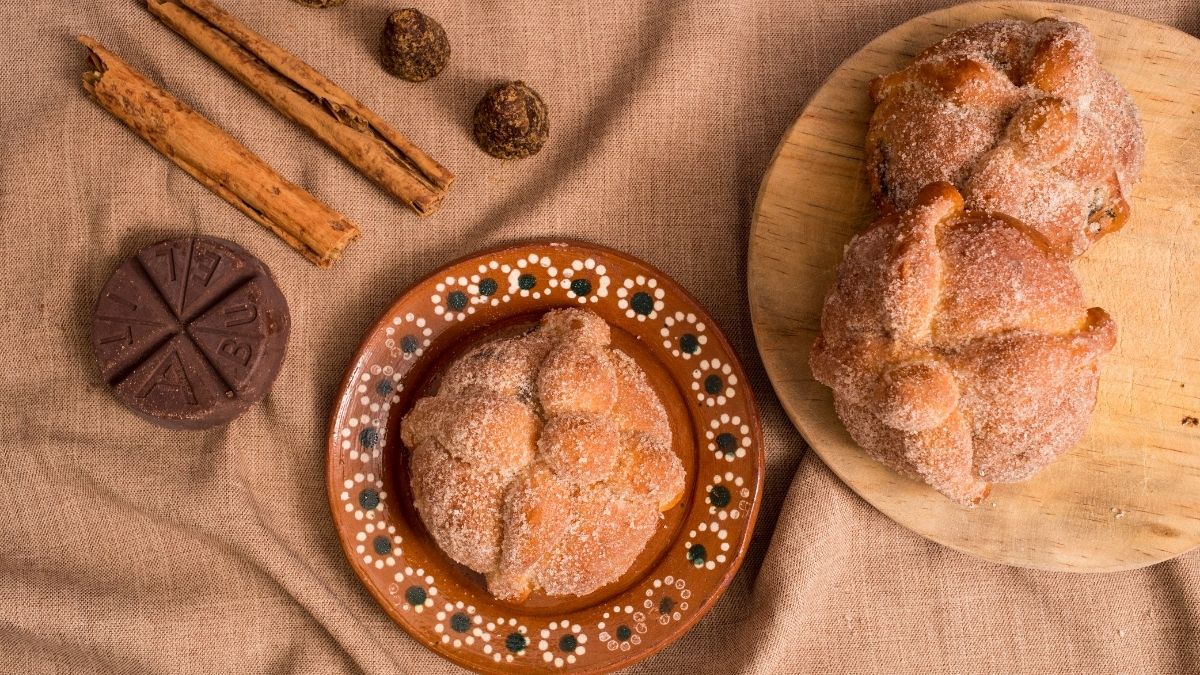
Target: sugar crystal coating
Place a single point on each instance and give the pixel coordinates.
(544, 461)
(959, 350)
(1022, 119)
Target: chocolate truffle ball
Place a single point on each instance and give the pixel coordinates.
(511, 121)
(415, 47)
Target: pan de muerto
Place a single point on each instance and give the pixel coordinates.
(1022, 119)
(544, 461)
(958, 347)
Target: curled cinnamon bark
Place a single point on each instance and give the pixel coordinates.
(308, 98)
(216, 159)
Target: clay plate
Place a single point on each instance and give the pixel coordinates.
(1129, 494)
(700, 543)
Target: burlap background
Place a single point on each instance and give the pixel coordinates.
(128, 548)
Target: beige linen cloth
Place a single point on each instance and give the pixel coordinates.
(126, 548)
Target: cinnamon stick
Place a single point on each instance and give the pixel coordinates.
(215, 159)
(305, 96)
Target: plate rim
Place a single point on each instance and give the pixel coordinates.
(754, 422)
(758, 324)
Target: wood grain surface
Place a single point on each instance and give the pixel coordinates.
(1129, 494)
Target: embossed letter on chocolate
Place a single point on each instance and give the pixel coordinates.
(190, 332)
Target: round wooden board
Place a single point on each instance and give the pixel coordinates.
(715, 430)
(1129, 494)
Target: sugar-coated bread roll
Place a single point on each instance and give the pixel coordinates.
(1022, 119)
(958, 346)
(544, 462)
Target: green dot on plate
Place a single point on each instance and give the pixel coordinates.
(368, 499)
(712, 384)
(689, 344)
(515, 642)
(369, 437)
(415, 595)
(642, 303)
(581, 287)
(727, 443)
(718, 496)
(666, 605)
(382, 545)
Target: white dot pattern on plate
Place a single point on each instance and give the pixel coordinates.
(637, 301)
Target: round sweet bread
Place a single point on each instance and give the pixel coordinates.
(1022, 119)
(544, 462)
(958, 348)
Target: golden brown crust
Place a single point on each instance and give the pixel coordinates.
(576, 326)
(578, 378)
(958, 347)
(580, 448)
(1022, 119)
(646, 469)
(490, 432)
(537, 512)
(567, 443)
(505, 368)
(637, 408)
(597, 543)
(458, 505)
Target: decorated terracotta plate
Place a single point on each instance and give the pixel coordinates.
(699, 543)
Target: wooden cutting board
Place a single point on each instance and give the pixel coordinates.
(1129, 494)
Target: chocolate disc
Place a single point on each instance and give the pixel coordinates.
(190, 332)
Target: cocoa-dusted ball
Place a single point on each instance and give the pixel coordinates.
(415, 47)
(511, 121)
(321, 3)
